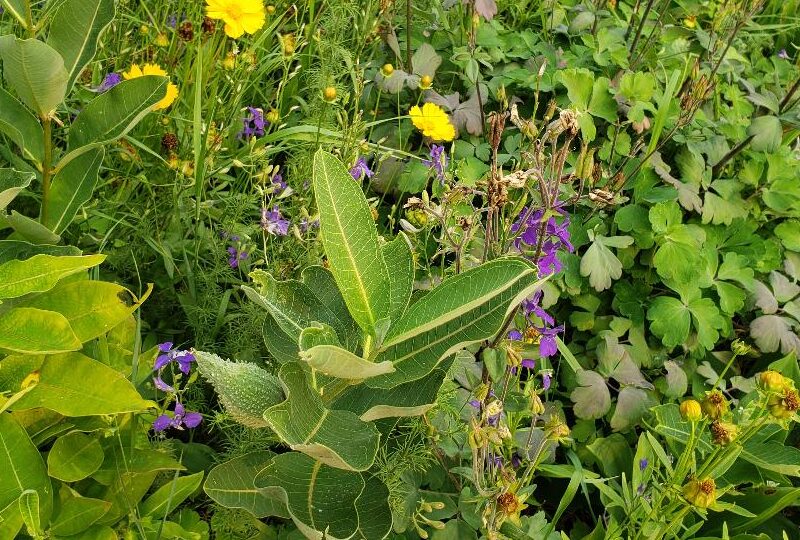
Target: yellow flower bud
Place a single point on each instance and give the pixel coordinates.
(771, 381)
(162, 40)
(701, 493)
(691, 410)
(270, 9)
(329, 94)
(144, 29)
(387, 70)
(690, 22)
(425, 82)
(229, 62)
(784, 406)
(273, 116)
(715, 405)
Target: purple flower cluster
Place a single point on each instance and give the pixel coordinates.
(109, 81)
(279, 184)
(236, 253)
(361, 168)
(169, 355)
(438, 161)
(273, 222)
(253, 124)
(531, 230)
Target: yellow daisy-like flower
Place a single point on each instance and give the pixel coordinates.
(240, 16)
(153, 69)
(432, 121)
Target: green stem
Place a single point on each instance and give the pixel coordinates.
(29, 27)
(47, 124)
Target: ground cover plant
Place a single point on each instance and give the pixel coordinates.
(448, 269)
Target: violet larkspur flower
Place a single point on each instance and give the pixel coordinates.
(783, 55)
(529, 363)
(438, 161)
(169, 354)
(179, 420)
(531, 306)
(515, 335)
(253, 124)
(161, 385)
(643, 464)
(236, 256)
(109, 81)
(547, 341)
(305, 224)
(556, 236)
(361, 168)
(279, 183)
(546, 380)
(273, 223)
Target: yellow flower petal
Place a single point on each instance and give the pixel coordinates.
(240, 16)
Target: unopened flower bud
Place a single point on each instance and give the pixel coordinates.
(329, 94)
(691, 410)
(387, 70)
(273, 116)
(741, 348)
(425, 82)
(229, 62)
(536, 405)
(772, 381)
(270, 9)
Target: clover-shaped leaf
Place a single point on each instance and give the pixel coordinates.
(591, 397)
(600, 264)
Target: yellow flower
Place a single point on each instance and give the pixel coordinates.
(153, 69)
(240, 16)
(432, 121)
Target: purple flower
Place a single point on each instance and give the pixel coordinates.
(172, 21)
(496, 460)
(169, 354)
(161, 385)
(253, 125)
(273, 223)
(475, 403)
(109, 81)
(547, 341)
(236, 256)
(179, 420)
(305, 224)
(783, 55)
(531, 307)
(528, 227)
(516, 462)
(546, 381)
(361, 168)
(279, 183)
(529, 363)
(640, 489)
(438, 161)
(643, 464)
(515, 335)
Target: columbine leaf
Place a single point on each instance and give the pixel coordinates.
(783, 289)
(244, 389)
(350, 241)
(463, 309)
(676, 380)
(325, 502)
(773, 332)
(337, 362)
(231, 485)
(591, 396)
(579, 84)
(766, 132)
(600, 264)
(336, 438)
(632, 403)
(670, 320)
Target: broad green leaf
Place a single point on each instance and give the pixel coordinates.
(292, 304)
(323, 285)
(411, 399)
(279, 344)
(92, 308)
(72, 187)
(231, 485)
(75, 385)
(166, 498)
(112, 114)
(22, 468)
(40, 273)
(325, 502)
(22, 127)
(28, 504)
(670, 320)
(350, 240)
(74, 456)
(773, 456)
(76, 514)
(74, 32)
(676, 380)
(136, 462)
(600, 264)
(638, 86)
(591, 396)
(766, 504)
(400, 262)
(124, 491)
(36, 331)
(632, 403)
(320, 334)
(579, 84)
(463, 309)
(19, 249)
(35, 71)
(337, 438)
(766, 132)
(244, 389)
(789, 233)
(11, 183)
(674, 428)
(337, 362)
(773, 332)
(602, 104)
(28, 229)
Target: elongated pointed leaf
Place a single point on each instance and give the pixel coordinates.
(29, 229)
(21, 126)
(36, 331)
(337, 362)
(40, 273)
(76, 514)
(231, 484)
(400, 260)
(325, 502)
(72, 187)
(18, 249)
(336, 438)
(76, 27)
(322, 284)
(350, 240)
(464, 309)
(112, 114)
(166, 498)
(35, 71)
(279, 344)
(11, 183)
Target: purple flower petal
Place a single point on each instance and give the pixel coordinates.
(546, 381)
(161, 423)
(529, 363)
(192, 419)
(165, 347)
(179, 410)
(161, 385)
(161, 361)
(515, 335)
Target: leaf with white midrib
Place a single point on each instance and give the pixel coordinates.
(231, 485)
(464, 309)
(350, 240)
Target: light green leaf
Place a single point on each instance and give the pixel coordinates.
(602, 104)
(74, 456)
(336, 438)
(40, 273)
(591, 396)
(463, 309)
(244, 389)
(400, 262)
(72, 187)
(75, 385)
(76, 514)
(74, 32)
(766, 132)
(36, 331)
(166, 498)
(632, 403)
(773, 456)
(279, 344)
(325, 502)
(600, 264)
(22, 127)
(36, 72)
(337, 362)
(29, 229)
(28, 504)
(676, 380)
(674, 428)
(231, 485)
(112, 114)
(789, 233)
(11, 183)
(350, 240)
(579, 84)
(19, 249)
(670, 320)
(22, 468)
